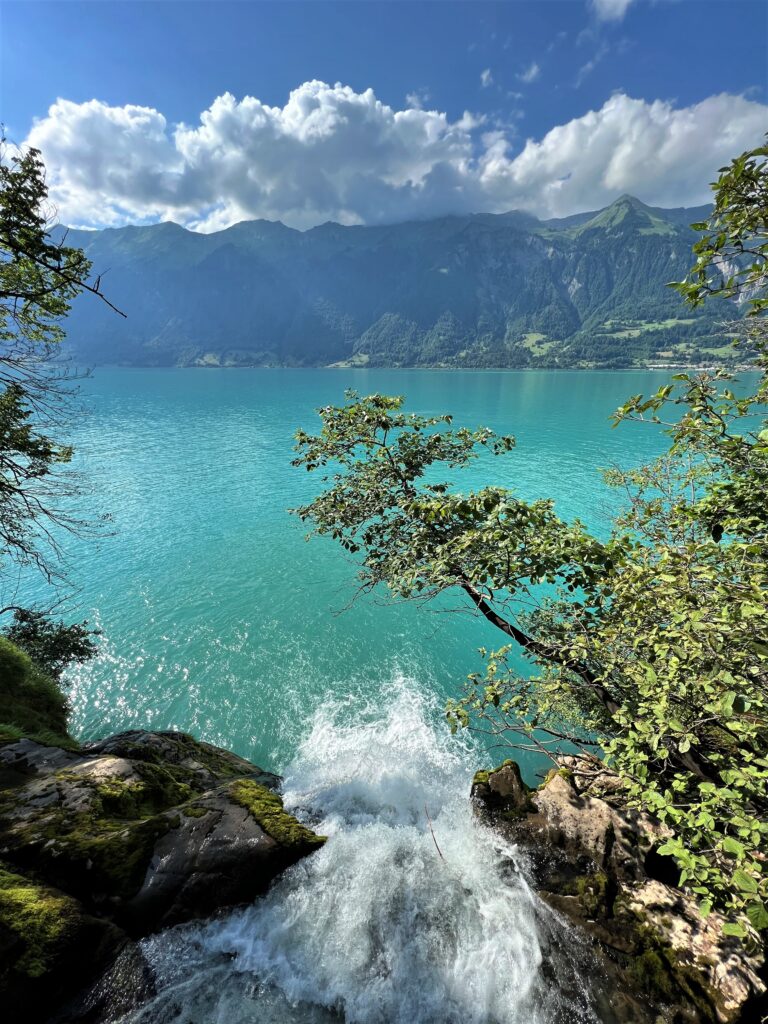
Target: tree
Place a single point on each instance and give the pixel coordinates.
(732, 252)
(39, 277)
(649, 647)
(52, 645)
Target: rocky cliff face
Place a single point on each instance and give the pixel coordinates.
(594, 861)
(124, 837)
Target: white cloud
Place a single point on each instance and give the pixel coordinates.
(610, 10)
(333, 154)
(486, 78)
(530, 74)
(417, 98)
(662, 154)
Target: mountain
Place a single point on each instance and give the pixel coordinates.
(484, 290)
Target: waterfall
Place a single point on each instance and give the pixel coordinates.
(412, 913)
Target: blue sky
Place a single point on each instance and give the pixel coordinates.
(614, 95)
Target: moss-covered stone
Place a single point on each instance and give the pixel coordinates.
(140, 830)
(35, 919)
(266, 807)
(665, 976)
(593, 892)
(194, 811)
(562, 772)
(49, 947)
(93, 857)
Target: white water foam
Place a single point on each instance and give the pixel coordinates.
(412, 912)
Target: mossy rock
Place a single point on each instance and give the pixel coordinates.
(665, 977)
(594, 893)
(266, 807)
(36, 921)
(502, 791)
(147, 829)
(43, 935)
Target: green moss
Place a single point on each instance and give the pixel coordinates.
(91, 856)
(157, 789)
(33, 705)
(267, 808)
(666, 975)
(165, 785)
(649, 972)
(553, 773)
(195, 811)
(482, 777)
(592, 891)
(38, 920)
(110, 857)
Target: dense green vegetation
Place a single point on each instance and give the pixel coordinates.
(32, 704)
(649, 646)
(459, 291)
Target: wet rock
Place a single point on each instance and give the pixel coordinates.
(593, 861)
(132, 834)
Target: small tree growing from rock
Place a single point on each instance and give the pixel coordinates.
(651, 646)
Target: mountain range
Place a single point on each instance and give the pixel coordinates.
(486, 290)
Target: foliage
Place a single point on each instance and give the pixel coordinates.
(38, 280)
(649, 646)
(732, 252)
(52, 645)
(31, 704)
(37, 283)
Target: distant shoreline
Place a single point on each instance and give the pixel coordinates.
(656, 368)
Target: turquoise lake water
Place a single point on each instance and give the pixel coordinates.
(219, 619)
(217, 616)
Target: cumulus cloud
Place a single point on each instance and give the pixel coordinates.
(610, 10)
(486, 78)
(333, 154)
(530, 74)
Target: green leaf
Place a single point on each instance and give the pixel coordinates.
(732, 928)
(733, 846)
(758, 916)
(744, 881)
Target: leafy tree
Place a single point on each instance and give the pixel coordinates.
(52, 645)
(649, 647)
(39, 277)
(732, 251)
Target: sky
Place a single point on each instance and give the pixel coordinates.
(209, 113)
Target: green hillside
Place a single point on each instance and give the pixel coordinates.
(486, 290)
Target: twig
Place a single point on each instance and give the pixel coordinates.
(429, 822)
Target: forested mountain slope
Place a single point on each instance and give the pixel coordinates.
(483, 290)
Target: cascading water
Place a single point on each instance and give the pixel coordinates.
(412, 913)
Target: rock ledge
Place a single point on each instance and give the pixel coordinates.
(124, 837)
(594, 861)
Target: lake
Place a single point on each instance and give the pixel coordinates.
(218, 618)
